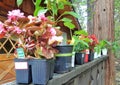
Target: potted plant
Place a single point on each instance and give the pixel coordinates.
(36, 38)
(51, 8)
(92, 46)
(81, 41)
(8, 29)
(104, 45)
(63, 58)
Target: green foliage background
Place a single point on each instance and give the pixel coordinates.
(117, 25)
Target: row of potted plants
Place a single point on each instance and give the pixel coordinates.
(39, 52)
(87, 47)
(37, 37)
(39, 44)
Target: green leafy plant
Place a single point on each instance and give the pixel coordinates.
(115, 46)
(81, 40)
(52, 7)
(102, 45)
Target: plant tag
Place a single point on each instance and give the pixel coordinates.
(83, 55)
(21, 65)
(20, 53)
(73, 59)
(87, 51)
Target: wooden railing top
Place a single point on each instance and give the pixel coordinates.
(60, 79)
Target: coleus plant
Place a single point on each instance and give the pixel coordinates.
(94, 42)
(37, 35)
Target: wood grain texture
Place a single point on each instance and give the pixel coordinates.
(7, 72)
(102, 25)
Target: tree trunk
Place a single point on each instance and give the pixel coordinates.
(101, 24)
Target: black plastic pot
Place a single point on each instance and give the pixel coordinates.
(64, 48)
(42, 70)
(79, 58)
(51, 64)
(23, 75)
(63, 62)
(91, 56)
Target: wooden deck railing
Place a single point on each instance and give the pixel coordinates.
(92, 73)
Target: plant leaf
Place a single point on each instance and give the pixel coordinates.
(87, 40)
(66, 20)
(39, 10)
(97, 49)
(54, 9)
(19, 2)
(72, 13)
(61, 5)
(84, 43)
(79, 32)
(37, 3)
(69, 25)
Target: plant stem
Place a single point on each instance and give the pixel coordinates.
(70, 33)
(57, 20)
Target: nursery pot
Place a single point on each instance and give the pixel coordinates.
(63, 62)
(86, 58)
(91, 56)
(23, 71)
(79, 58)
(42, 70)
(104, 51)
(97, 55)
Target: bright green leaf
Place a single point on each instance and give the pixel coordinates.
(72, 13)
(42, 11)
(54, 9)
(87, 40)
(39, 10)
(84, 43)
(69, 25)
(66, 20)
(37, 3)
(61, 5)
(79, 32)
(19, 2)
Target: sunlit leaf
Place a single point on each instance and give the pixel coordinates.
(61, 5)
(39, 11)
(19, 2)
(72, 13)
(66, 20)
(79, 32)
(69, 25)
(37, 3)
(54, 9)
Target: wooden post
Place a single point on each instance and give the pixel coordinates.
(101, 24)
